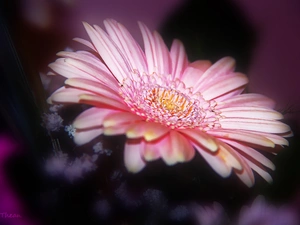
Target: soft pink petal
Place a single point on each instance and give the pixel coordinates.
(92, 117)
(66, 95)
(118, 118)
(222, 67)
(178, 59)
(230, 94)
(252, 153)
(191, 76)
(61, 67)
(223, 85)
(277, 139)
(164, 63)
(243, 136)
(182, 148)
(259, 170)
(94, 87)
(125, 42)
(132, 155)
(244, 100)
(150, 131)
(246, 175)
(267, 126)
(86, 43)
(101, 101)
(82, 137)
(90, 63)
(152, 149)
(252, 112)
(157, 54)
(116, 130)
(108, 51)
(215, 161)
(175, 148)
(201, 138)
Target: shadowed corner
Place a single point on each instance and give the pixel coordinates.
(211, 30)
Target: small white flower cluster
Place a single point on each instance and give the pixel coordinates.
(55, 108)
(52, 121)
(98, 148)
(60, 165)
(56, 164)
(263, 213)
(70, 130)
(211, 215)
(260, 212)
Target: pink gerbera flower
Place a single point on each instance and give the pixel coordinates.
(167, 106)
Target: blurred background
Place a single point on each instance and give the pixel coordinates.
(263, 37)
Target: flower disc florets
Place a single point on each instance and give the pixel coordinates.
(158, 99)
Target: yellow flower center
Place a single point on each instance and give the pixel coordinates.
(169, 100)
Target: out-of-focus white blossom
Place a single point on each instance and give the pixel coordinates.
(70, 130)
(56, 164)
(74, 171)
(52, 121)
(98, 148)
(262, 213)
(55, 108)
(211, 215)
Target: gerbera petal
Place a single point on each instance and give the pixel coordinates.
(222, 67)
(157, 54)
(182, 148)
(215, 161)
(150, 131)
(259, 170)
(201, 138)
(131, 50)
(92, 117)
(278, 140)
(252, 112)
(94, 87)
(252, 153)
(100, 101)
(116, 130)
(244, 100)
(95, 67)
(193, 72)
(108, 51)
(268, 126)
(118, 118)
(243, 136)
(132, 156)
(164, 63)
(86, 43)
(82, 137)
(61, 67)
(152, 150)
(66, 95)
(246, 175)
(174, 148)
(223, 85)
(178, 58)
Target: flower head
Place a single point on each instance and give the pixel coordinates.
(167, 106)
